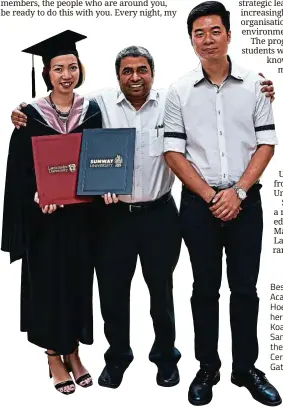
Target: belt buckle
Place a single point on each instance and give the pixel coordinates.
(133, 206)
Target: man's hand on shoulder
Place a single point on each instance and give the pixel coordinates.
(267, 88)
(19, 118)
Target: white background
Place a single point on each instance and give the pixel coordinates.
(23, 367)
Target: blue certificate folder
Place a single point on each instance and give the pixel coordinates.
(106, 161)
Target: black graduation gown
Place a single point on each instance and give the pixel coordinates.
(56, 253)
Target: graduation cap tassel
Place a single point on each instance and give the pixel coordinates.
(33, 78)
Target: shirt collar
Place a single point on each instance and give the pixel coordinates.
(234, 72)
(153, 95)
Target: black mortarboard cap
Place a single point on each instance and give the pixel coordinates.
(60, 44)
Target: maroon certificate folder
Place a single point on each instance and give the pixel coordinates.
(56, 161)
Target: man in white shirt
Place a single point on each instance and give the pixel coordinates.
(138, 225)
(219, 138)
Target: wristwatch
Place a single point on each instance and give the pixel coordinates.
(241, 193)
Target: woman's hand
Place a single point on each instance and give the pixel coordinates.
(110, 198)
(47, 208)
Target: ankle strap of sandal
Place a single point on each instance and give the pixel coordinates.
(52, 354)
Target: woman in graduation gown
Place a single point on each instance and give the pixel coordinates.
(53, 243)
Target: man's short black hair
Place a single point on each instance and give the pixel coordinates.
(209, 8)
(134, 51)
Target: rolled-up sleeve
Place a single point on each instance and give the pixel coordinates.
(175, 135)
(263, 119)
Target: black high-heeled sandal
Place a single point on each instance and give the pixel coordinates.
(60, 386)
(81, 378)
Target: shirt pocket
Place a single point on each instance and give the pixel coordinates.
(156, 142)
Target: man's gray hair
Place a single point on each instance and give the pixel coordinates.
(134, 51)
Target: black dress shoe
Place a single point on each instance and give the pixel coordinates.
(200, 392)
(111, 376)
(258, 385)
(168, 378)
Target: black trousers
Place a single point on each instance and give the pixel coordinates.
(154, 235)
(205, 237)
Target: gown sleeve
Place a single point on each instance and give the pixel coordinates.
(14, 197)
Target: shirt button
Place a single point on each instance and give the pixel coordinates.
(218, 111)
(224, 175)
(222, 154)
(220, 133)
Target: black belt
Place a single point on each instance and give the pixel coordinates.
(141, 206)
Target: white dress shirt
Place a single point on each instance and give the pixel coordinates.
(218, 128)
(152, 177)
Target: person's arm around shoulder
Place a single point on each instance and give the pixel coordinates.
(20, 119)
(175, 146)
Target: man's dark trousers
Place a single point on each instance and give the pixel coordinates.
(153, 234)
(205, 237)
